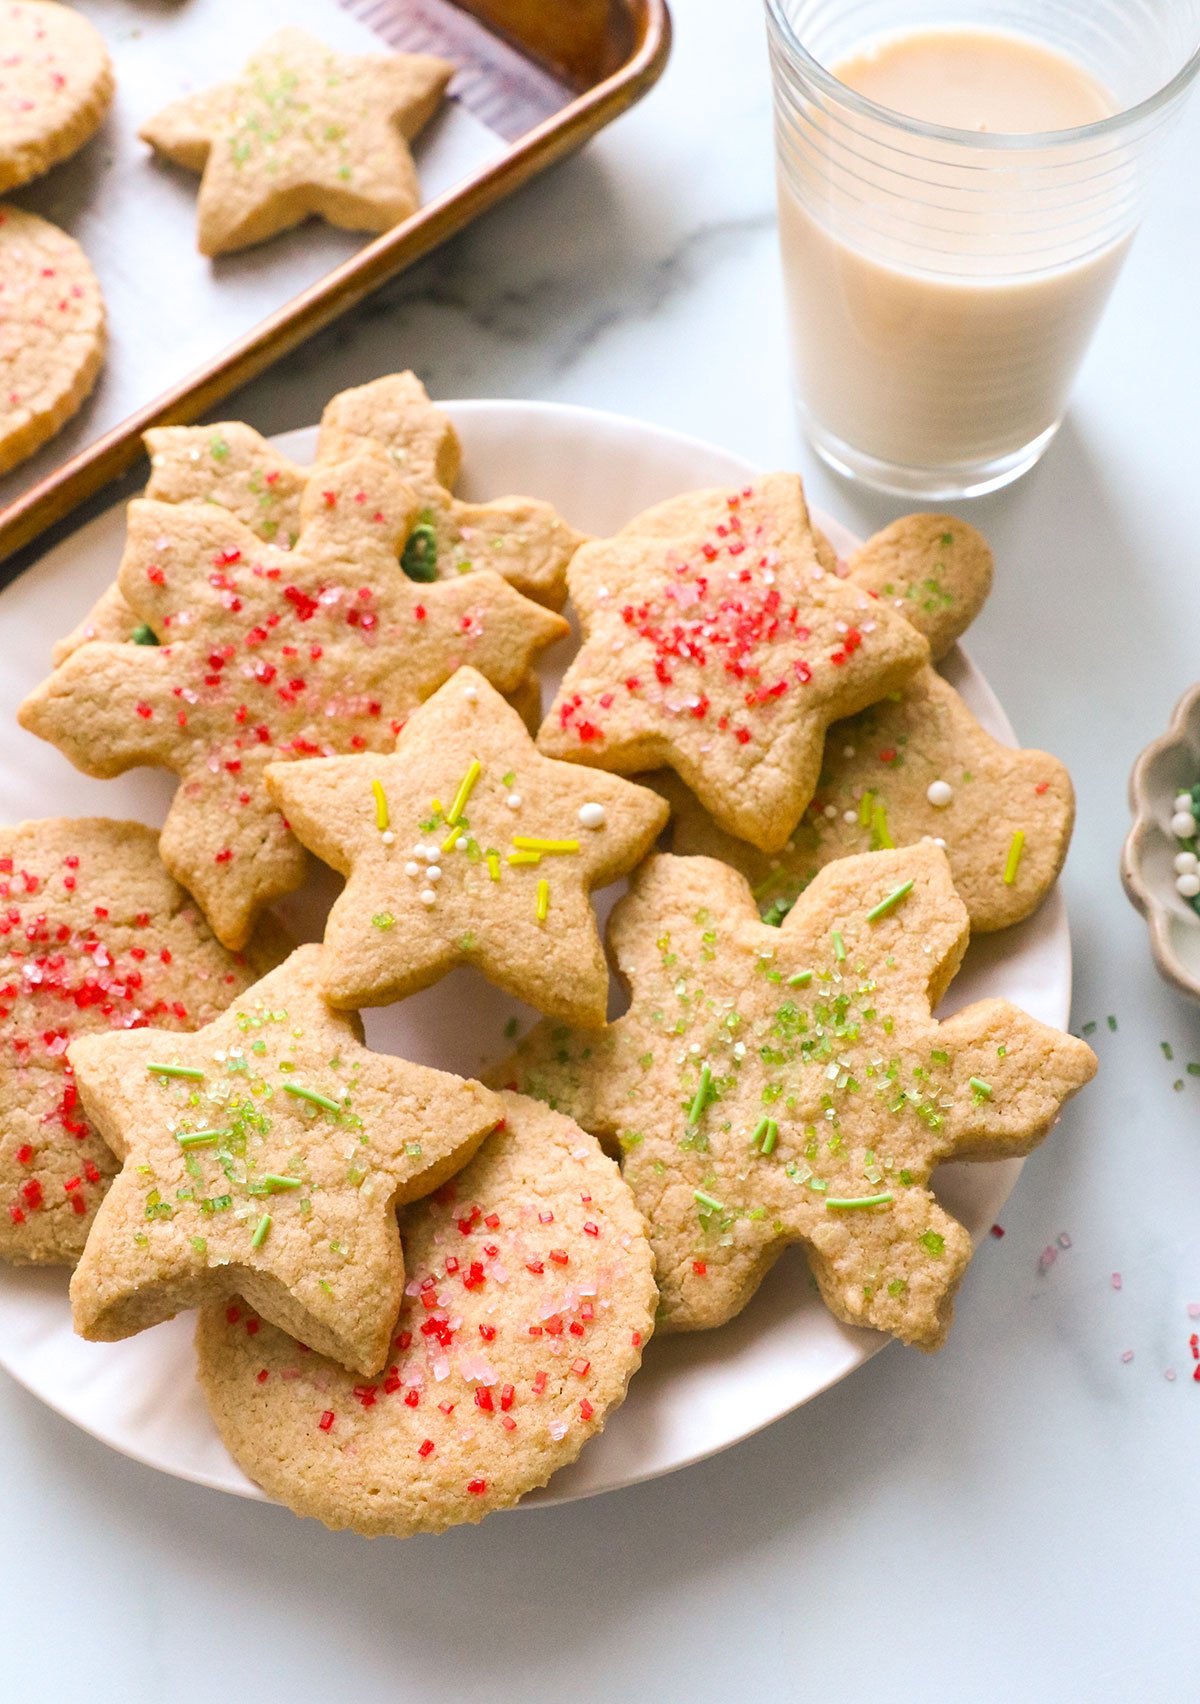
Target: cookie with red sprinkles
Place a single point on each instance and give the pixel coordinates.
(790, 1085)
(724, 652)
(303, 131)
(466, 846)
(268, 1152)
(935, 570)
(529, 1302)
(52, 332)
(265, 655)
(56, 84)
(915, 766)
(94, 936)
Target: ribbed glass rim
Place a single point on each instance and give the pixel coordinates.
(989, 141)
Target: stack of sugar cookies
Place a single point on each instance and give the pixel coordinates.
(418, 1295)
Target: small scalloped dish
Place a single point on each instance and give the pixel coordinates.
(1170, 766)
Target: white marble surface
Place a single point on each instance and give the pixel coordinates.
(1015, 1520)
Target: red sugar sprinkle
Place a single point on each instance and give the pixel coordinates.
(997, 1231)
(32, 1193)
(636, 1339)
(232, 1315)
(263, 1375)
(539, 1384)
(326, 1420)
(590, 1228)
(477, 1487)
(586, 1410)
(699, 1267)
(581, 1368)
(426, 1448)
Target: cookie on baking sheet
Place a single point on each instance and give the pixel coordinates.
(771, 1086)
(94, 936)
(724, 650)
(529, 1303)
(303, 130)
(466, 846)
(268, 1153)
(270, 655)
(917, 764)
(934, 569)
(56, 84)
(51, 332)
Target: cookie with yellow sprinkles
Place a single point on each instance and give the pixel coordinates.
(268, 1152)
(466, 846)
(773, 1086)
(529, 1302)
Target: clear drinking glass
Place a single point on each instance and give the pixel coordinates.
(943, 285)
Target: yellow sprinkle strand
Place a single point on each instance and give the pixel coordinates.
(493, 864)
(1013, 862)
(464, 791)
(534, 843)
(381, 810)
(452, 839)
(436, 805)
(543, 900)
(524, 857)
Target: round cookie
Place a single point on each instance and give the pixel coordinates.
(56, 84)
(51, 332)
(529, 1301)
(94, 936)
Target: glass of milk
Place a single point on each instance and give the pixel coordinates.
(959, 184)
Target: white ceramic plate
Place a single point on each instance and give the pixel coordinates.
(696, 1394)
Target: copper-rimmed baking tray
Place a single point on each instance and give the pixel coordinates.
(543, 74)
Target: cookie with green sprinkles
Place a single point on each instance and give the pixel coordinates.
(915, 766)
(466, 846)
(94, 936)
(724, 651)
(529, 1302)
(772, 1086)
(303, 131)
(266, 1152)
(266, 655)
(935, 570)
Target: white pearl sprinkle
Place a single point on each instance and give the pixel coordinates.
(849, 817)
(470, 693)
(938, 841)
(1189, 885)
(418, 850)
(591, 815)
(433, 873)
(847, 751)
(428, 897)
(513, 801)
(939, 794)
(461, 844)
(1183, 825)
(1185, 863)
(1183, 802)
(388, 838)
(831, 813)
(412, 870)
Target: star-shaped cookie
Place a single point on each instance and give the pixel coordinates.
(724, 652)
(270, 655)
(915, 765)
(771, 1086)
(303, 130)
(466, 846)
(267, 1152)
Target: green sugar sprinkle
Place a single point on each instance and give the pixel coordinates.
(895, 898)
(383, 920)
(260, 1231)
(1013, 862)
(1089, 1028)
(144, 634)
(301, 1093)
(708, 1202)
(419, 556)
(934, 1241)
(983, 1091)
(851, 1203)
(191, 1071)
(702, 1097)
(1112, 1022)
(199, 1138)
(272, 1180)
(1167, 1050)
(1193, 1070)
(801, 979)
(839, 946)
(199, 1244)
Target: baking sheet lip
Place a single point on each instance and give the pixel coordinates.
(344, 285)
